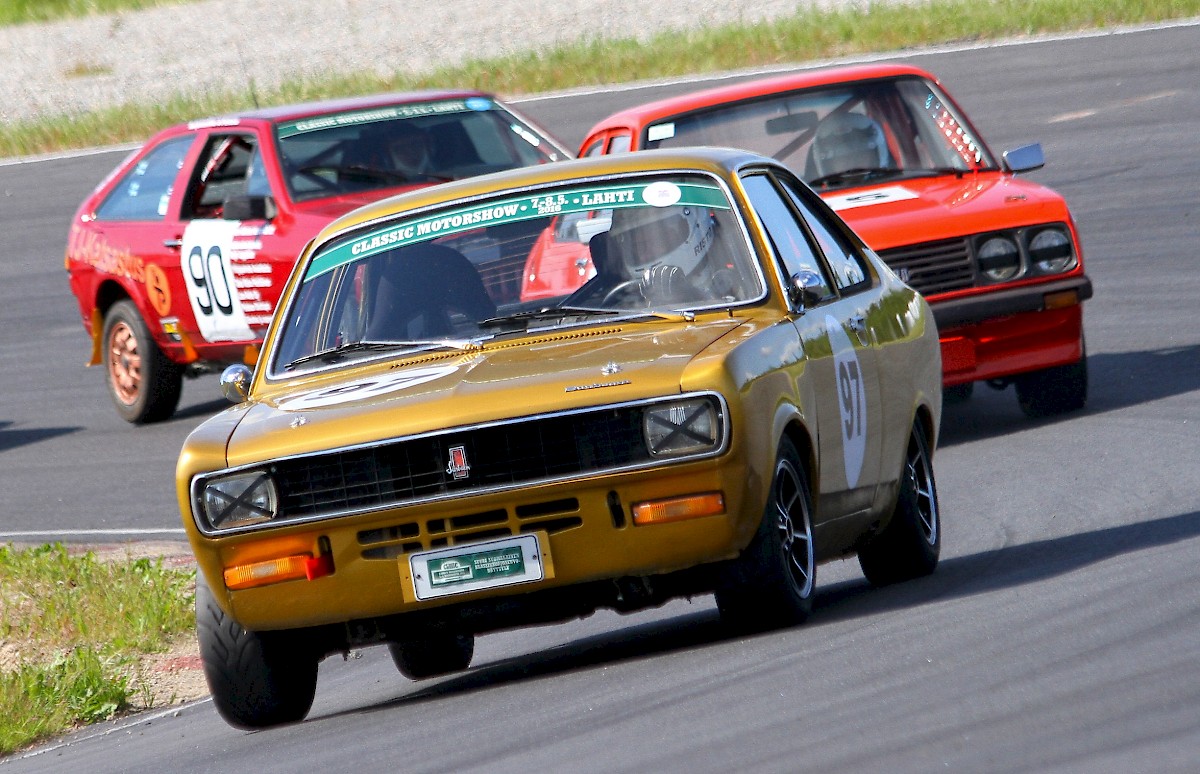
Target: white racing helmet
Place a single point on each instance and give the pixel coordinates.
(644, 237)
(849, 141)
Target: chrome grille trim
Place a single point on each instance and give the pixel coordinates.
(310, 483)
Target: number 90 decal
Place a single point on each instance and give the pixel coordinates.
(209, 279)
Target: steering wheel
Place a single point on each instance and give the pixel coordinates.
(622, 288)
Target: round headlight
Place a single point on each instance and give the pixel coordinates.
(1050, 250)
(999, 259)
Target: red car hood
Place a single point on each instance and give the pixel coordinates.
(919, 210)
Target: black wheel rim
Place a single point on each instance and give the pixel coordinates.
(795, 527)
(920, 478)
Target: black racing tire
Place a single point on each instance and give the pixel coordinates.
(773, 582)
(911, 543)
(257, 679)
(433, 656)
(959, 393)
(1053, 391)
(144, 383)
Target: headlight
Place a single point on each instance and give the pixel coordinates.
(1050, 250)
(681, 427)
(999, 258)
(239, 500)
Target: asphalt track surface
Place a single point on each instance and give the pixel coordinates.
(1060, 633)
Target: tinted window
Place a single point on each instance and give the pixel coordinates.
(229, 166)
(405, 145)
(844, 261)
(145, 190)
(787, 235)
(841, 135)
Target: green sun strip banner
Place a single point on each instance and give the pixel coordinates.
(513, 210)
(374, 115)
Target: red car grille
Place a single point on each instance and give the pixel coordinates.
(933, 267)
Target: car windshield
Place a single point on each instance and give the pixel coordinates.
(405, 144)
(642, 246)
(842, 135)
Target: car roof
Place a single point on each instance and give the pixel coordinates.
(685, 103)
(277, 113)
(722, 162)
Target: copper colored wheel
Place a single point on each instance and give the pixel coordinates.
(124, 363)
(143, 382)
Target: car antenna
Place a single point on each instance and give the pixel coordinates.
(249, 77)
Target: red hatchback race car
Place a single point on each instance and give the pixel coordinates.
(998, 257)
(178, 257)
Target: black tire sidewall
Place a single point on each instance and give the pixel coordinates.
(256, 679)
(759, 591)
(902, 551)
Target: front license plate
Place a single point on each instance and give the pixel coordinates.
(475, 566)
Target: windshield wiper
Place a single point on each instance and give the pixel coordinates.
(545, 313)
(340, 352)
(856, 175)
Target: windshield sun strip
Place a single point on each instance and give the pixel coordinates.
(288, 129)
(545, 203)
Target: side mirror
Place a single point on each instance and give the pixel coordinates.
(243, 207)
(235, 383)
(1025, 159)
(806, 289)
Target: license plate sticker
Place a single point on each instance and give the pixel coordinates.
(475, 566)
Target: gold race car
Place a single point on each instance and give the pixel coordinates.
(740, 392)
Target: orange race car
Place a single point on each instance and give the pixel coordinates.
(178, 257)
(997, 256)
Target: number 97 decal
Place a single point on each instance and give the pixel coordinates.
(852, 399)
(209, 279)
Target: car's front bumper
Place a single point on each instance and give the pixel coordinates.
(590, 538)
(1008, 332)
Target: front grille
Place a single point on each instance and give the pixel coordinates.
(933, 267)
(437, 531)
(495, 456)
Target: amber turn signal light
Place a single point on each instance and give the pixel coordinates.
(678, 508)
(285, 568)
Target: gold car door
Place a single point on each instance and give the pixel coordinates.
(830, 315)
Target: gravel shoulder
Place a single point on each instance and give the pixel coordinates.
(220, 46)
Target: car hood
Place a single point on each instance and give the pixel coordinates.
(557, 371)
(912, 211)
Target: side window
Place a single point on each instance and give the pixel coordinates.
(227, 167)
(145, 190)
(595, 149)
(844, 260)
(620, 143)
(787, 235)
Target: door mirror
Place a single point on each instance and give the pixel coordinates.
(1025, 159)
(235, 383)
(806, 290)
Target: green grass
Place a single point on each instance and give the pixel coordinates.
(73, 627)
(32, 11)
(810, 34)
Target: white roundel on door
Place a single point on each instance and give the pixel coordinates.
(851, 399)
(208, 246)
